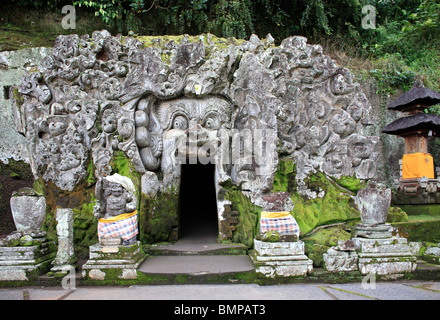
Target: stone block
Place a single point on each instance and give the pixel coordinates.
(385, 256)
(385, 265)
(381, 231)
(336, 260)
(127, 258)
(391, 245)
(278, 248)
(291, 270)
(20, 263)
(346, 245)
(285, 259)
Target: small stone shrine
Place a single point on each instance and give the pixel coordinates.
(25, 253)
(373, 249)
(418, 184)
(118, 248)
(278, 250)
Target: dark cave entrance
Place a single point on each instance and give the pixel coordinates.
(198, 202)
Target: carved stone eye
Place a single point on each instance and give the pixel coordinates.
(212, 122)
(180, 122)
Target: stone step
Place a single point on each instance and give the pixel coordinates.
(212, 250)
(196, 246)
(196, 264)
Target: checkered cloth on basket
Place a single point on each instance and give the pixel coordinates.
(283, 224)
(126, 228)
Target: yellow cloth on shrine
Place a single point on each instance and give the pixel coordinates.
(281, 214)
(118, 218)
(417, 165)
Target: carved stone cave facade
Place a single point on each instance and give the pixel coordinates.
(98, 94)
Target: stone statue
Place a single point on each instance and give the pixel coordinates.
(116, 209)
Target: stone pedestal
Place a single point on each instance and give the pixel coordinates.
(385, 256)
(30, 259)
(113, 261)
(343, 257)
(379, 231)
(283, 259)
(373, 249)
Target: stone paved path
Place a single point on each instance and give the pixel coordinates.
(401, 290)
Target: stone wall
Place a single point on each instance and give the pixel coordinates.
(13, 66)
(15, 171)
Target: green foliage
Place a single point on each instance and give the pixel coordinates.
(120, 14)
(185, 16)
(38, 4)
(405, 45)
(392, 74)
(233, 18)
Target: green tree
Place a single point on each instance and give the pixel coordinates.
(232, 18)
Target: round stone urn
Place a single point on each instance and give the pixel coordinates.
(374, 202)
(28, 209)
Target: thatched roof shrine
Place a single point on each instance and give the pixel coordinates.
(418, 121)
(417, 96)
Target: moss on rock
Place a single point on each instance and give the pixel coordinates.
(350, 183)
(396, 214)
(85, 227)
(335, 205)
(121, 163)
(320, 241)
(158, 215)
(248, 213)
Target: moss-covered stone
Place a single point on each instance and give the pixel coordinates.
(351, 183)
(211, 43)
(285, 177)
(158, 215)
(396, 214)
(334, 206)
(314, 252)
(270, 236)
(320, 241)
(328, 236)
(121, 163)
(248, 213)
(84, 228)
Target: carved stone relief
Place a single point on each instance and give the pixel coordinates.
(94, 95)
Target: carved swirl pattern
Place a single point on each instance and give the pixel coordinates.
(94, 95)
